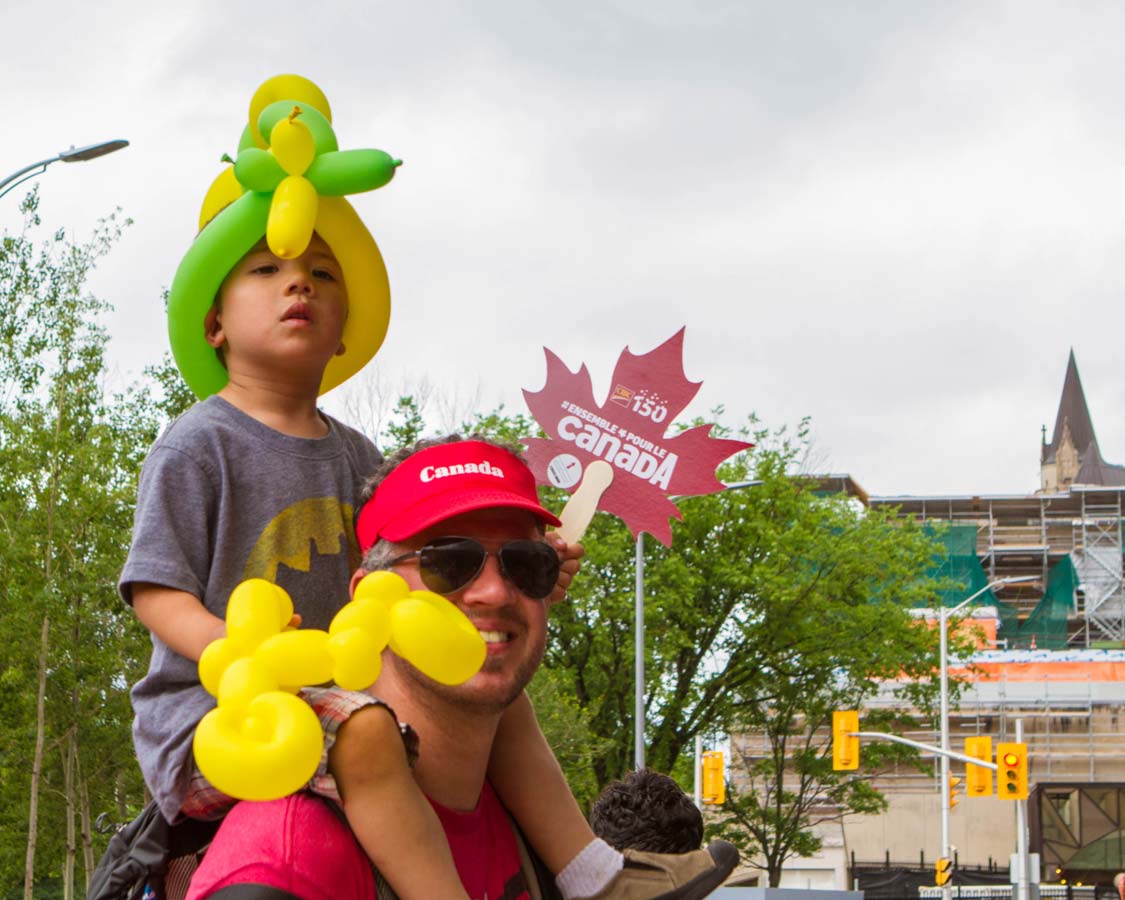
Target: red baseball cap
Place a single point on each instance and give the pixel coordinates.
(443, 481)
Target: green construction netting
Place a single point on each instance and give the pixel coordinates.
(958, 567)
(1047, 623)
(963, 575)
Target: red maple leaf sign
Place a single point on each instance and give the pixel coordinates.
(629, 432)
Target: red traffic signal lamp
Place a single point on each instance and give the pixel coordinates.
(714, 791)
(978, 779)
(943, 871)
(845, 746)
(1011, 771)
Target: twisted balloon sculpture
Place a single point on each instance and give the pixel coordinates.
(289, 180)
(261, 741)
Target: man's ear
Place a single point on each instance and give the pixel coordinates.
(357, 576)
(341, 350)
(213, 328)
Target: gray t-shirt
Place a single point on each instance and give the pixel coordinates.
(223, 498)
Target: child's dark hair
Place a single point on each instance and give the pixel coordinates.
(647, 811)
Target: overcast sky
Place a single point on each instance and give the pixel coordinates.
(896, 218)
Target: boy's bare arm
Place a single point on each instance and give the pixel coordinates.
(177, 618)
(526, 775)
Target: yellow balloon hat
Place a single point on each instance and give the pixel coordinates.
(288, 181)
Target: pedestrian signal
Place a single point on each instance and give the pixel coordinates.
(953, 782)
(943, 871)
(845, 746)
(1011, 771)
(714, 786)
(978, 779)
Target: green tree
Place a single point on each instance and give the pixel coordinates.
(70, 455)
(406, 426)
(566, 726)
(783, 787)
(763, 588)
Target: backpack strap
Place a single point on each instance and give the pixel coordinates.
(252, 892)
(141, 847)
(540, 881)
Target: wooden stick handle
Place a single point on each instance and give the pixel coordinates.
(583, 503)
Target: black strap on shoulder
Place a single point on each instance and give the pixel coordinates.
(252, 892)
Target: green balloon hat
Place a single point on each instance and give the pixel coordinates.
(289, 180)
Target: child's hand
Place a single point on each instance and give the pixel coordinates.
(569, 556)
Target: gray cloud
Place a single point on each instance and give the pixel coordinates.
(894, 217)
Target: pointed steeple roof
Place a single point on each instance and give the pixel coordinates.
(1073, 414)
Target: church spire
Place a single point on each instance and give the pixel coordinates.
(1073, 456)
(1073, 415)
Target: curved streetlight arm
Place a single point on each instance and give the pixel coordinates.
(25, 173)
(81, 154)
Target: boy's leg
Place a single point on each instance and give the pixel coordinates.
(393, 821)
(530, 783)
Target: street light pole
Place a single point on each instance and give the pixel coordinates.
(943, 617)
(639, 661)
(639, 634)
(80, 154)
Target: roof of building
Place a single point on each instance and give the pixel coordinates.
(1095, 470)
(1065, 502)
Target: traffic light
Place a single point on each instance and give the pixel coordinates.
(978, 779)
(1011, 771)
(845, 747)
(943, 871)
(953, 782)
(714, 786)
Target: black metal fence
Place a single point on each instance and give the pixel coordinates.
(904, 881)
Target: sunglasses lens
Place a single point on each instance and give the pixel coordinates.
(447, 565)
(533, 567)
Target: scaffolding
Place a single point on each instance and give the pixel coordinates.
(1068, 544)
(1098, 561)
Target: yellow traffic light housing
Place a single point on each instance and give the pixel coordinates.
(845, 746)
(1011, 771)
(978, 779)
(953, 782)
(943, 871)
(714, 785)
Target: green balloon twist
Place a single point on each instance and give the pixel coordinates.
(351, 171)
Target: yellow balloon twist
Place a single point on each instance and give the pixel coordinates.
(295, 203)
(261, 742)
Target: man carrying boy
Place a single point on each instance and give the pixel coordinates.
(462, 517)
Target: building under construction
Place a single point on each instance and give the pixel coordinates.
(1056, 665)
(1065, 539)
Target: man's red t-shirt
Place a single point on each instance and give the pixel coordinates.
(299, 845)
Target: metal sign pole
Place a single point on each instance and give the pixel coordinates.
(639, 667)
(1021, 831)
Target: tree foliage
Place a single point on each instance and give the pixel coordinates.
(70, 454)
(750, 597)
(775, 605)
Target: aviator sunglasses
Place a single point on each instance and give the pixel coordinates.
(448, 564)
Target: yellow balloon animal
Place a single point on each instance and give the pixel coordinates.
(262, 741)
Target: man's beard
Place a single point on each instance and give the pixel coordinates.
(465, 697)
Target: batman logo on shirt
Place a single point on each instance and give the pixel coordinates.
(323, 523)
